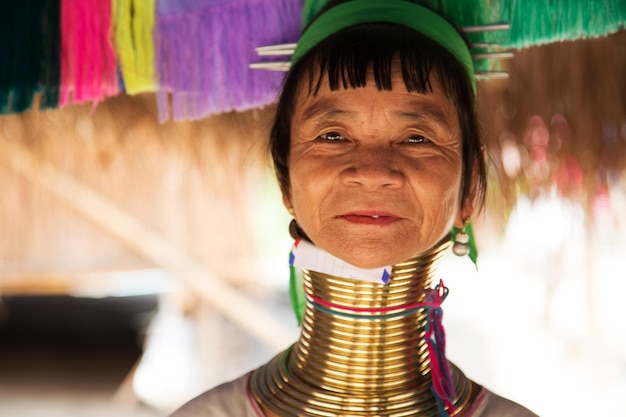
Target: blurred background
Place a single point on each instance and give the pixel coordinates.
(144, 261)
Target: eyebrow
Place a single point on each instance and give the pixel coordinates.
(424, 112)
(427, 114)
(325, 108)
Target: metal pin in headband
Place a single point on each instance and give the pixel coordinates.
(288, 49)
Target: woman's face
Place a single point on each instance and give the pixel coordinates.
(375, 175)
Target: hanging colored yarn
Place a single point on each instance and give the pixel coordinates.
(50, 67)
(538, 22)
(533, 22)
(133, 21)
(203, 49)
(29, 54)
(62, 49)
(443, 385)
(88, 65)
(296, 292)
(310, 9)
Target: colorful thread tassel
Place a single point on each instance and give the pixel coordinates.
(296, 292)
(29, 54)
(88, 65)
(443, 384)
(538, 22)
(133, 21)
(203, 49)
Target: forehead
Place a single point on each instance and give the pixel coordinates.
(315, 96)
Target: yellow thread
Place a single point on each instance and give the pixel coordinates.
(133, 22)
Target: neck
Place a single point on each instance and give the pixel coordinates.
(349, 360)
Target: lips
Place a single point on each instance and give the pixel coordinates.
(370, 218)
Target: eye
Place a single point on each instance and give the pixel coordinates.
(331, 137)
(418, 139)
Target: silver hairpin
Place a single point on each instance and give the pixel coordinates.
(288, 49)
(491, 75)
(265, 50)
(486, 28)
(493, 55)
(271, 66)
(485, 45)
(284, 48)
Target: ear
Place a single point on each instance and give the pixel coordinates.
(467, 207)
(464, 214)
(287, 204)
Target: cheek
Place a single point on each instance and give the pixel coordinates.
(449, 208)
(304, 194)
(442, 193)
(449, 188)
(450, 203)
(310, 181)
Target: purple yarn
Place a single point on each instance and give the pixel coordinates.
(203, 48)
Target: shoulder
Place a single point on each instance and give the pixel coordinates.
(228, 399)
(489, 404)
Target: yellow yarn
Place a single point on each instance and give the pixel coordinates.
(135, 43)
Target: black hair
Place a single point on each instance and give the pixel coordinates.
(347, 56)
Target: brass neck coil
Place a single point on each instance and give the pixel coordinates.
(351, 366)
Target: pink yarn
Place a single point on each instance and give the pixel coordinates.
(435, 337)
(88, 66)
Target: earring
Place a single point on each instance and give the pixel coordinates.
(461, 245)
(293, 225)
(294, 230)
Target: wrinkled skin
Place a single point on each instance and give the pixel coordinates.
(375, 175)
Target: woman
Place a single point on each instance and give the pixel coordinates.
(377, 152)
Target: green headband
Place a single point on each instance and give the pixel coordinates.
(414, 16)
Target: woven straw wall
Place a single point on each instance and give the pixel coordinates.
(186, 181)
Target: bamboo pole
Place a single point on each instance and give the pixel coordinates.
(137, 237)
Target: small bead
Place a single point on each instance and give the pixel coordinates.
(460, 249)
(462, 238)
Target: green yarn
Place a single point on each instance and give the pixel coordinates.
(538, 22)
(533, 22)
(50, 64)
(29, 54)
(18, 73)
(296, 292)
(310, 9)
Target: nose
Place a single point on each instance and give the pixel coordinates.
(373, 167)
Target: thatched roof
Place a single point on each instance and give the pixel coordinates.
(572, 95)
(187, 181)
(184, 179)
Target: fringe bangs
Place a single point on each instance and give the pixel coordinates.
(350, 56)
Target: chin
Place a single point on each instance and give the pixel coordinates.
(370, 254)
(375, 260)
